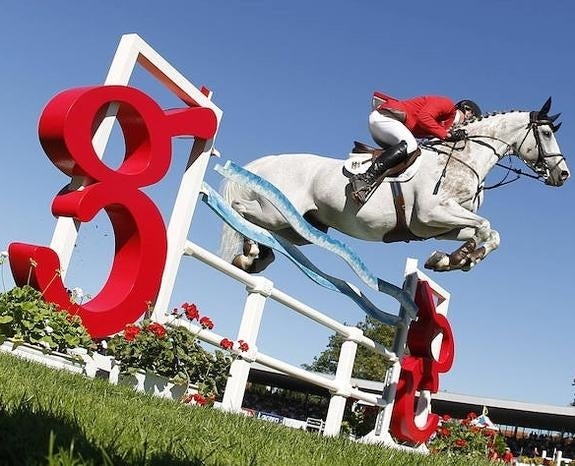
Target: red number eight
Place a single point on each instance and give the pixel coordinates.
(66, 129)
(420, 370)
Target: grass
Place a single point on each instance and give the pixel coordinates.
(50, 417)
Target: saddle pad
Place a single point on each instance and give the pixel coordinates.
(359, 163)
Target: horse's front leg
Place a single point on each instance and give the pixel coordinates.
(480, 239)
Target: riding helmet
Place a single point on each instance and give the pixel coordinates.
(467, 104)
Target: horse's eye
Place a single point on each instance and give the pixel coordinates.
(546, 133)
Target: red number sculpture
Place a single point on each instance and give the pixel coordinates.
(420, 370)
(66, 129)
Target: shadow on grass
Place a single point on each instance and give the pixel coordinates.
(25, 438)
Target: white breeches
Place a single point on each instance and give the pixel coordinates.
(385, 130)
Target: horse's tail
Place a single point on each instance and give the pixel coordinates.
(231, 242)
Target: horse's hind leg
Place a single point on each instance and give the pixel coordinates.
(254, 257)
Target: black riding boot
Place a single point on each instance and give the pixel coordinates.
(362, 183)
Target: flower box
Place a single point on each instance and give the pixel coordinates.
(80, 362)
(55, 360)
(153, 384)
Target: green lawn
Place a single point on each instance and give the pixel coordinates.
(58, 418)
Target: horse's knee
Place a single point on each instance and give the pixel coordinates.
(483, 231)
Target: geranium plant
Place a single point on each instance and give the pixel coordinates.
(461, 437)
(26, 318)
(174, 352)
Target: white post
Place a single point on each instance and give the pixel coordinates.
(180, 222)
(392, 376)
(342, 378)
(248, 331)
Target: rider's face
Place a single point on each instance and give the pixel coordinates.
(467, 113)
(460, 117)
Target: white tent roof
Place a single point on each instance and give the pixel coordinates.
(483, 421)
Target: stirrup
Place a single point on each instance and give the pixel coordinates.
(362, 192)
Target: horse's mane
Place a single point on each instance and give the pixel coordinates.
(485, 116)
(485, 119)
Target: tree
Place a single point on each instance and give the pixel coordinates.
(368, 364)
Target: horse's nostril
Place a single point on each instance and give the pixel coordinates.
(564, 175)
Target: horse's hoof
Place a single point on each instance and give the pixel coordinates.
(468, 266)
(438, 261)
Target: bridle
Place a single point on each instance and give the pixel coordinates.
(540, 166)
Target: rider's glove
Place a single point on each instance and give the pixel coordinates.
(456, 135)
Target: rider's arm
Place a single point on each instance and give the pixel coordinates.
(436, 117)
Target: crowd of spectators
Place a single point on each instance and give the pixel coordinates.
(285, 403)
(296, 405)
(533, 445)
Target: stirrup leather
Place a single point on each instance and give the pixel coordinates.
(362, 188)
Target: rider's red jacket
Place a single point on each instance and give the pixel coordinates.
(424, 116)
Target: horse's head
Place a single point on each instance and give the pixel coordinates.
(539, 148)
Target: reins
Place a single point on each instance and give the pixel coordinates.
(479, 139)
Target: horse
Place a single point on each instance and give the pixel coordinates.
(439, 200)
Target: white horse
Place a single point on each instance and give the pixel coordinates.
(440, 201)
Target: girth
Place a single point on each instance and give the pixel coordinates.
(401, 231)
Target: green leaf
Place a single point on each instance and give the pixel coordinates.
(6, 319)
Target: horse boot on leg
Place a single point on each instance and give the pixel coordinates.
(362, 184)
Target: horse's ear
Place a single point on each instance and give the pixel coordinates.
(556, 127)
(546, 107)
(552, 118)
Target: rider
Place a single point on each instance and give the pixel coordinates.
(394, 124)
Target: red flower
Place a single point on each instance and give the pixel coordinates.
(243, 345)
(191, 311)
(444, 432)
(460, 442)
(226, 344)
(206, 322)
(157, 329)
(471, 415)
(446, 417)
(199, 399)
(131, 332)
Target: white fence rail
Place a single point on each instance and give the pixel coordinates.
(259, 289)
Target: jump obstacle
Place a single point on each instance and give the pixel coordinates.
(420, 322)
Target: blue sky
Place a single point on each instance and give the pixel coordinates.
(297, 77)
